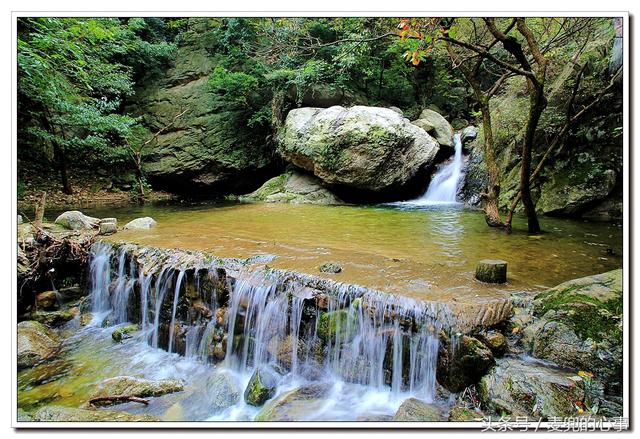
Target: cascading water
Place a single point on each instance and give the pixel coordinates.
(379, 343)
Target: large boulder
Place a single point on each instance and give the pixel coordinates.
(69, 414)
(578, 325)
(76, 220)
(293, 187)
(573, 190)
(369, 149)
(414, 410)
(36, 343)
(132, 386)
(520, 388)
(299, 404)
(462, 362)
(436, 125)
(208, 150)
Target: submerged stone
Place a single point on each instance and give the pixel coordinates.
(223, 392)
(330, 267)
(123, 333)
(415, 410)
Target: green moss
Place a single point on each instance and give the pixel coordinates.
(331, 322)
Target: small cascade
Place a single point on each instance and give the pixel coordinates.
(245, 317)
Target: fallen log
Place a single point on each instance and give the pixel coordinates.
(118, 398)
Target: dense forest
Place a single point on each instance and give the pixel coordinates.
(195, 106)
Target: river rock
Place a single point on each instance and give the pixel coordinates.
(141, 223)
(107, 228)
(465, 414)
(414, 410)
(299, 404)
(330, 267)
(436, 125)
(293, 187)
(123, 333)
(69, 414)
(521, 388)
(369, 149)
(282, 349)
(223, 391)
(494, 340)
(36, 343)
(76, 220)
(132, 386)
(47, 300)
(492, 271)
(329, 323)
(468, 134)
(56, 318)
(579, 325)
(261, 386)
(462, 362)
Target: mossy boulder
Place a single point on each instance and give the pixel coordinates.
(333, 322)
(578, 324)
(47, 300)
(437, 126)
(133, 386)
(56, 318)
(369, 149)
(520, 388)
(299, 404)
(415, 410)
(293, 187)
(69, 414)
(36, 343)
(462, 362)
(261, 386)
(123, 333)
(465, 414)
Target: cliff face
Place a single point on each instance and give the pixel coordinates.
(208, 150)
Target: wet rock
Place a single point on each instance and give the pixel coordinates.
(261, 386)
(331, 322)
(47, 300)
(468, 134)
(462, 363)
(494, 340)
(299, 404)
(282, 349)
(492, 271)
(522, 388)
(364, 148)
(85, 319)
(72, 293)
(465, 414)
(141, 223)
(330, 267)
(54, 318)
(132, 386)
(24, 416)
(374, 418)
(76, 220)
(123, 333)
(436, 125)
(578, 324)
(223, 391)
(293, 187)
(68, 414)
(45, 372)
(36, 343)
(414, 410)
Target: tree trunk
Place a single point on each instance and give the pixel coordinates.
(490, 197)
(537, 103)
(59, 155)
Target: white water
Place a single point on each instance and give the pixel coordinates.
(443, 187)
(371, 362)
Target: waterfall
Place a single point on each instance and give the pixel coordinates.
(444, 184)
(306, 328)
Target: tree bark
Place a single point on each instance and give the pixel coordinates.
(118, 398)
(59, 156)
(491, 211)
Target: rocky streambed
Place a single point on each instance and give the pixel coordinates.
(198, 337)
